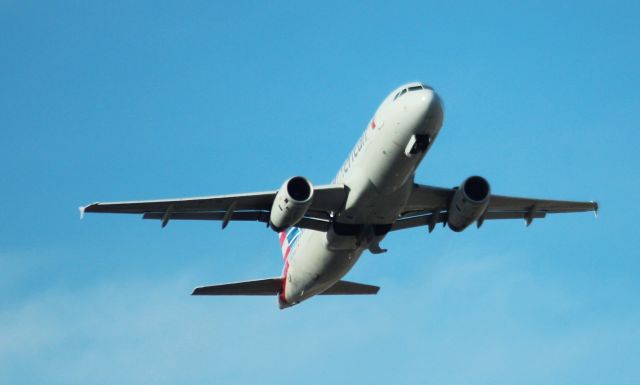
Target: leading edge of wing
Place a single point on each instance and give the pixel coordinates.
(425, 198)
(250, 201)
(326, 198)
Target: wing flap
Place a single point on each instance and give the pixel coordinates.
(269, 286)
(407, 222)
(515, 215)
(426, 219)
(260, 216)
(213, 216)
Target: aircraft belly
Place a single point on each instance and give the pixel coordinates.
(368, 204)
(388, 168)
(380, 181)
(316, 267)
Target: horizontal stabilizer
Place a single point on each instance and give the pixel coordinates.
(269, 286)
(346, 288)
(272, 286)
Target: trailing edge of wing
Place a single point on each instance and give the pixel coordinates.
(311, 223)
(426, 218)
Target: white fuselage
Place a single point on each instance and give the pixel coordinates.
(379, 174)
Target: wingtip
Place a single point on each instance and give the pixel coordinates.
(596, 208)
(83, 209)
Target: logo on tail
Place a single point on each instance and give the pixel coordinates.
(288, 239)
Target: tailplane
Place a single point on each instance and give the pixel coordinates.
(273, 286)
(350, 288)
(269, 286)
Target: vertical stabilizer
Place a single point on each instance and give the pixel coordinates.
(288, 238)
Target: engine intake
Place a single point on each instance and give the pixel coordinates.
(469, 202)
(291, 203)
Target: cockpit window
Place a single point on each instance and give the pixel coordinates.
(399, 94)
(412, 88)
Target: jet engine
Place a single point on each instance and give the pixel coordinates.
(291, 203)
(469, 203)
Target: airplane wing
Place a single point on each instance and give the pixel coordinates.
(428, 205)
(225, 208)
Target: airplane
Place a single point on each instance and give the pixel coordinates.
(324, 229)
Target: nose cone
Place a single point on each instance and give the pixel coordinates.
(426, 113)
(430, 103)
(431, 109)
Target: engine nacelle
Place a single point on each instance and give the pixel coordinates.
(291, 203)
(469, 203)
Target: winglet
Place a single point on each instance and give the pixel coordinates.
(83, 209)
(595, 208)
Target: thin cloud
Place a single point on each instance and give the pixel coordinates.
(468, 318)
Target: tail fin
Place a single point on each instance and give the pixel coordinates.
(288, 238)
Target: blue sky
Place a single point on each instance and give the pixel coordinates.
(120, 100)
